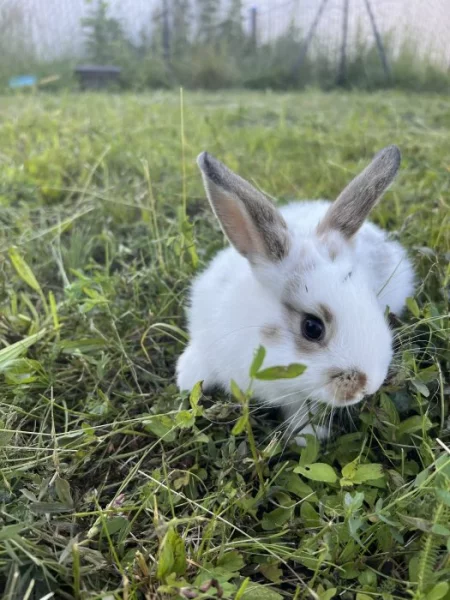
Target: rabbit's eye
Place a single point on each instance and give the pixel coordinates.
(313, 328)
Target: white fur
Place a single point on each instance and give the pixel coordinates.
(231, 302)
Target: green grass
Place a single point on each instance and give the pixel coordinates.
(112, 486)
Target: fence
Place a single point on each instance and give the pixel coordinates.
(49, 30)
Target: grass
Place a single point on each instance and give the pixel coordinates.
(114, 486)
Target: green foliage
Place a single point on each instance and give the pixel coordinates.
(113, 484)
(208, 21)
(287, 372)
(104, 35)
(317, 472)
(181, 27)
(204, 44)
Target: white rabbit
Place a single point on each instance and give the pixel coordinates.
(309, 282)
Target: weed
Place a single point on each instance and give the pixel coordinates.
(113, 485)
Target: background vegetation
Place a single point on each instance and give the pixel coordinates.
(114, 486)
(204, 44)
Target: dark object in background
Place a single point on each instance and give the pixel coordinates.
(97, 76)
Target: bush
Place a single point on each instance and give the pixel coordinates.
(215, 53)
(210, 69)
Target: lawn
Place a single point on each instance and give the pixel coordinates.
(112, 484)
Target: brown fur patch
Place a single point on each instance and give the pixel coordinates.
(332, 252)
(271, 333)
(295, 318)
(326, 313)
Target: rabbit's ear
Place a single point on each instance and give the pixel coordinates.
(249, 220)
(354, 204)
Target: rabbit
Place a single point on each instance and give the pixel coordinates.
(312, 282)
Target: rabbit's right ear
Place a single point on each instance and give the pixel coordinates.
(249, 220)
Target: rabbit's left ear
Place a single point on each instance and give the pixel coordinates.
(352, 207)
(249, 220)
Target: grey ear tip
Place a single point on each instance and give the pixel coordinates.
(393, 154)
(395, 150)
(208, 165)
(202, 160)
(211, 168)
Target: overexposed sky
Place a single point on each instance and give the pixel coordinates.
(56, 30)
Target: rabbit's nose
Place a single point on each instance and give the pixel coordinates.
(348, 384)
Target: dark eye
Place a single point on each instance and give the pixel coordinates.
(313, 328)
